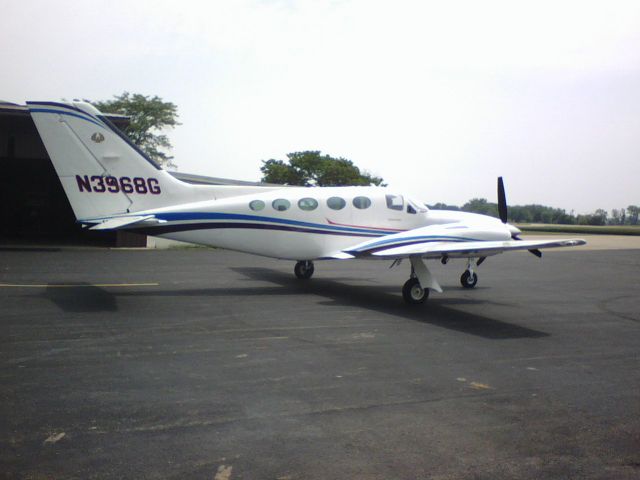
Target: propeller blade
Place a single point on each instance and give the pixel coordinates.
(502, 201)
(536, 252)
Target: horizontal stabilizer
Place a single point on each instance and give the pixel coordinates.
(119, 222)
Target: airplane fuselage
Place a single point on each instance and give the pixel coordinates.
(111, 184)
(310, 223)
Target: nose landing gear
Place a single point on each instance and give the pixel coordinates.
(304, 269)
(469, 278)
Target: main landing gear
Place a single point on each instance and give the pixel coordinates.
(416, 289)
(304, 269)
(413, 293)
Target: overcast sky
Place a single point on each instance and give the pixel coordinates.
(438, 98)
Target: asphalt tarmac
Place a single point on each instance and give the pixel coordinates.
(208, 364)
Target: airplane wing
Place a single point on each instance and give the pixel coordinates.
(453, 241)
(471, 249)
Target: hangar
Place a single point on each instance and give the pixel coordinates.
(33, 206)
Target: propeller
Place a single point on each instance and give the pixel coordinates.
(502, 201)
(502, 212)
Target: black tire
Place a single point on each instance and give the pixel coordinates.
(413, 293)
(468, 280)
(304, 270)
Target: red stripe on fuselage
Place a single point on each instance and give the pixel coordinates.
(362, 226)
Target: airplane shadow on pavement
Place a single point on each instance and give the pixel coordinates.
(82, 299)
(439, 312)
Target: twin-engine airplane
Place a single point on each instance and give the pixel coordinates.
(111, 184)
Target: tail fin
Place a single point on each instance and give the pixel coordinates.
(101, 171)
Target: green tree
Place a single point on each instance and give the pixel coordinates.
(310, 168)
(634, 212)
(442, 206)
(149, 116)
(481, 206)
(599, 217)
(617, 216)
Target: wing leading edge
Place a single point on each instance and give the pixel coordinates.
(471, 249)
(452, 240)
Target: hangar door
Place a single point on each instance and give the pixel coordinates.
(33, 206)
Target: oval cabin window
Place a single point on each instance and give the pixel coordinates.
(361, 202)
(256, 205)
(281, 204)
(307, 204)
(336, 203)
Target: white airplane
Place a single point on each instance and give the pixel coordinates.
(111, 184)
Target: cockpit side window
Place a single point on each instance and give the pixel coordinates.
(395, 202)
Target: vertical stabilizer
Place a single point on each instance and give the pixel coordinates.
(101, 171)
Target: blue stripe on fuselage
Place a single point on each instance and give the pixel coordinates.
(188, 227)
(188, 216)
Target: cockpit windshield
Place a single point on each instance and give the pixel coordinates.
(414, 206)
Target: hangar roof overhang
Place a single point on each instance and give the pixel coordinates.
(18, 117)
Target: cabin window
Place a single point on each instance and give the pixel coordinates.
(361, 202)
(395, 202)
(256, 205)
(336, 203)
(307, 204)
(281, 204)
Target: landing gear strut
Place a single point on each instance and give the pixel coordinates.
(304, 269)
